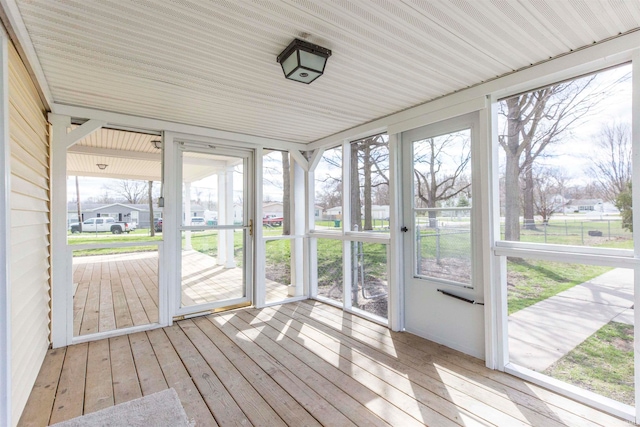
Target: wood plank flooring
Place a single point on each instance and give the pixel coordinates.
(121, 290)
(297, 364)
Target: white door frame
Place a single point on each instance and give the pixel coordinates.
(180, 145)
(459, 325)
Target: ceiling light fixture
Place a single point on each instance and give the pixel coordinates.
(157, 144)
(101, 166)
(303, 61)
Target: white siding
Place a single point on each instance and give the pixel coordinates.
(29, 232)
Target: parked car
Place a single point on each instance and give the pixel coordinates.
(158, 225)
(272, 220)
(98, 225)
(197, 220)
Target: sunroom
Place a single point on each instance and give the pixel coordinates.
(426, 220)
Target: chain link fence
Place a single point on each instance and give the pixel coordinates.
(574, 231)
(444, 251)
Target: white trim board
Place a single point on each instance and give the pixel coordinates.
(191, 131)
(5, 243)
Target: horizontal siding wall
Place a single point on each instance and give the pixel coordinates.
(30, 241)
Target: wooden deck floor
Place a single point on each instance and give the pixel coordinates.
(121, 290)
(296, 364)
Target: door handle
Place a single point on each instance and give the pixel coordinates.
(251, 227)
(404, 229)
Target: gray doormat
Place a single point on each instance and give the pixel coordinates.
(162, 409)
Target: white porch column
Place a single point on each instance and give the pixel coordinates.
(222, 217)
(61, 266)
(297, 215)
(228, 197)
(186, 199)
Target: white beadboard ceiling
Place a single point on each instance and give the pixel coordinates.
(132, 155)
(213, 63)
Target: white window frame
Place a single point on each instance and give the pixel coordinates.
(455, 124)
(346, 236)
(299, 238)
(497, 330)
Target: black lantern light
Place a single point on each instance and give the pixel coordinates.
(303, 61)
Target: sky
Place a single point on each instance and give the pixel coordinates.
(573, 155)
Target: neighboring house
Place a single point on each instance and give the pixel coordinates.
(273, 209)
(195, 210)
(377, 212)
(277, 209)
(584, 205)
(333, 213)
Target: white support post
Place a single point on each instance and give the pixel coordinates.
(495, 316)
(347, 267)
(635, 189)
(297, 215)
(311, 289)
(396, 261)
(186, 199)
(61, 295)
(5, 242)
(309, 220)
(222, 217)
(171, 220)
(231, 261)
(259, 280)
(61, 292)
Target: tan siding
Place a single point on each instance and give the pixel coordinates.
(25, 172)
(34, 233)
(30, 277)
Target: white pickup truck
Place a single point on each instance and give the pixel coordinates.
(93, 225)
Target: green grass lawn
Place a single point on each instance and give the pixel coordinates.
(139, 235)
(531, 281)
(603, 363)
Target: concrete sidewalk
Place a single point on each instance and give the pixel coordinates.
(541, 334)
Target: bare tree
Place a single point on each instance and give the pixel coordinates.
(439, 173)
(330, 195)
(369, 171)
(534, 121)
(547, 192)
(611, 161)
(132, 191)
